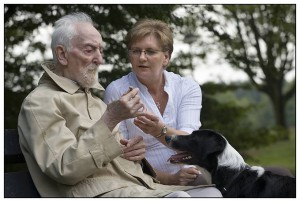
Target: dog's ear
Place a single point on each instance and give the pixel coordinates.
(209, 143)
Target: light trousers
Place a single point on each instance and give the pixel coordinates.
(199, 192)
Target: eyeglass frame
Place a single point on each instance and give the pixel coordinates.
(146, 52)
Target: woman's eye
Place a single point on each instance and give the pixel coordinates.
(150, 52)
(136, 51)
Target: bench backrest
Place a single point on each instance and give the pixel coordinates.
(17, 184)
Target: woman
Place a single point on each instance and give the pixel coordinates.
(173, 102)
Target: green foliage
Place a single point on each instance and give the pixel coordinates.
(281, 153)
(231, 110)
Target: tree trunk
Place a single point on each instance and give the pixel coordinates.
(278, 102)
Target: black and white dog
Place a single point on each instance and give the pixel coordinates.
(231, 175)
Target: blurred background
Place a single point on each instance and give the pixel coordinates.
(242, 56)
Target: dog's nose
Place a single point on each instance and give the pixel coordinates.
(168, 138)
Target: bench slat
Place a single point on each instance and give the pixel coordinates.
(19, 185)
(12, 150)
(16, 184)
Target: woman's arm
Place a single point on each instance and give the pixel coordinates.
(150, 124)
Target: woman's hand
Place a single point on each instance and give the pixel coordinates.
(149, 124)
(185, 176)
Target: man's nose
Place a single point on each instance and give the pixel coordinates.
(98, 58)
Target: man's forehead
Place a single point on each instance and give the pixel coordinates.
(89, 38)
(86, 29)
(85, 41)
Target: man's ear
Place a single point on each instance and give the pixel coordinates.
(62, 55)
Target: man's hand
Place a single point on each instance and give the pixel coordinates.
(128, 106)
(134, 149)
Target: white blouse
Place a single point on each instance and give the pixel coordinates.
(182, 112)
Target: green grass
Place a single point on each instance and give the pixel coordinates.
(281, 153)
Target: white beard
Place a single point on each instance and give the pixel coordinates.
(88, 76)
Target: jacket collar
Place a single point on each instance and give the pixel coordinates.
(66, 84)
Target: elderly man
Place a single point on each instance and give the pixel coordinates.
(70, 138)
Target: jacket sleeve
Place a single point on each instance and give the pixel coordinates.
(58, 152)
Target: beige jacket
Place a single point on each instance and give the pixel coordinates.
(70, 152)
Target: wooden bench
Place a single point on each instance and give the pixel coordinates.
(17, 179)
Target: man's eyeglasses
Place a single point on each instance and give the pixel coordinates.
(148, 52)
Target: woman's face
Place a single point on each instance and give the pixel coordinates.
(148, 59)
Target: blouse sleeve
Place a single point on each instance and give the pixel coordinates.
(111, 93)
(188, 117)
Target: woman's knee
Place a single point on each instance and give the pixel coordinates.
(205, 192)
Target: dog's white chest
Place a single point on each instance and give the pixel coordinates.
(260, 170)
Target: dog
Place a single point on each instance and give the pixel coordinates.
(229, 172)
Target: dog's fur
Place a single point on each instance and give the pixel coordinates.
(231, 175)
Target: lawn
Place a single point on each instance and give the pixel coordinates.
(281, 153)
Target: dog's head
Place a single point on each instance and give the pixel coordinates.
(205, 148)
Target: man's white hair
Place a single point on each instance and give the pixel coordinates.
(64, 30)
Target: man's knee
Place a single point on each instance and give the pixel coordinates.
(178, 194)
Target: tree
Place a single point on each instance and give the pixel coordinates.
(258, 39)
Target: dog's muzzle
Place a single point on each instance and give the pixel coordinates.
(183, 157)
